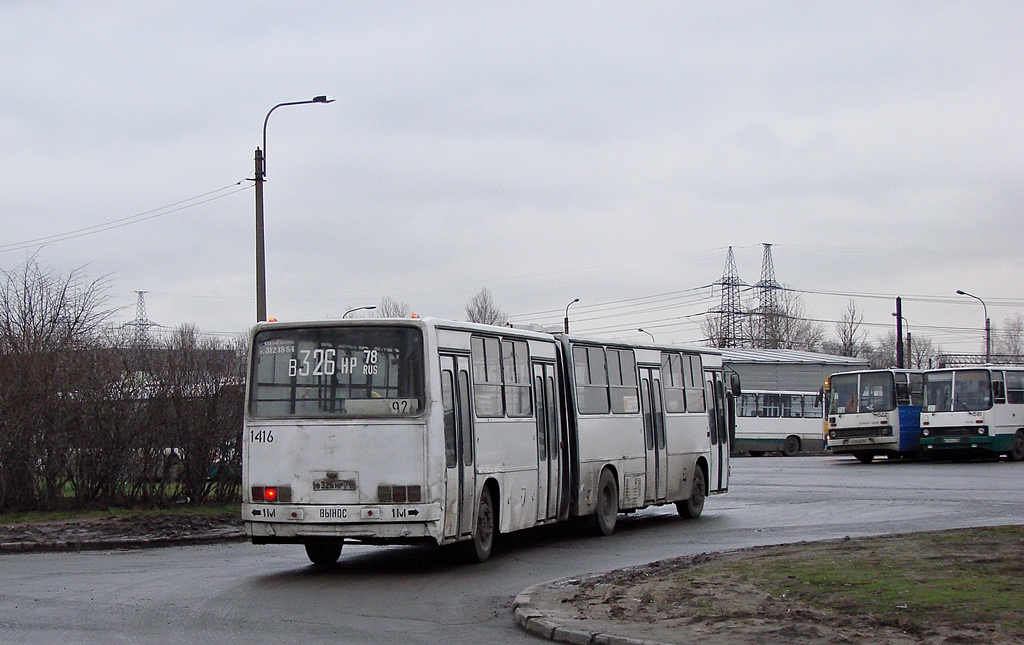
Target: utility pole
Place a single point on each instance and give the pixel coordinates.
(899, 333)
(261, 250)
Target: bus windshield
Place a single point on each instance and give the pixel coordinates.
(327, 372)
(864, 392)
(957, 391)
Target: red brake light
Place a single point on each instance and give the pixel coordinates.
(270, 494)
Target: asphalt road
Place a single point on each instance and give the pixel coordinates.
(239, 593)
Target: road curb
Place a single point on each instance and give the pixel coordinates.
(541, 621)
(44, 546)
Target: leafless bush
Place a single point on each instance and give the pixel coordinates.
(46, 321)
(93, 416)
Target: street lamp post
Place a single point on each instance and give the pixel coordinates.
(567, 314)
(641, 329)
(367, 308)
(988, 324)
(261, 176)
(909, 353)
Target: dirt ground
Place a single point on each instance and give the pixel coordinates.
(689, 600)
(148, 529)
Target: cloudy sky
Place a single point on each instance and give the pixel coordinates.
(610, 152)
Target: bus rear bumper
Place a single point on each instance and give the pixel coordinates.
(855, 444)
(381, 524)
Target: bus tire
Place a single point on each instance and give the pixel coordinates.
(483, 533)
(1017, 452)
(323, 554)
(864, 457)
(690, 509)
(607, 503)
(791, 446)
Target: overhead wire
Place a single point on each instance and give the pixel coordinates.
(130, 219)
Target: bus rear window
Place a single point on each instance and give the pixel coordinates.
(326, 372)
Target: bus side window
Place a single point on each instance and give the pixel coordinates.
(902, 389)
(448, 400)
(916, 389)
(674, 385)
(487, 377)
(1014, 387)
(998, 389)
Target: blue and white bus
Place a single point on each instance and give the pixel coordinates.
(874, 412)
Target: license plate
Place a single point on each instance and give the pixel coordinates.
(952, 440)
(334, 484)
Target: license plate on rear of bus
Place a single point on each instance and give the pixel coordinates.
(334, 484)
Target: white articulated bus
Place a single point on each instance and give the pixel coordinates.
(788, 422)
(977, 409)
(412, 431)
(874, 412)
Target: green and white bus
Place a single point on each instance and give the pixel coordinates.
(977, 409)
(786, 422)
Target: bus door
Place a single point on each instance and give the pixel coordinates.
(460, 473)
(548, 441)
(656, 484)
(718, 429)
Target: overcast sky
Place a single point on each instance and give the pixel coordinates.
(610, 152)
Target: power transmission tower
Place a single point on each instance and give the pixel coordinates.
(768, 312)
(141, 323)
(730, 313)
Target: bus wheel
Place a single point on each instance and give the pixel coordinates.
(791, 447)
(323, 554)
(607, 503)
(1017, 453)
(864, 457)
(483, 536)
(690, 509)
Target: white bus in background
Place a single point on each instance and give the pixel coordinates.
(977, 409)
(786, 422)
(412, 431)
(874, 412)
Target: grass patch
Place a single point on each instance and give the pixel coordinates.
(35, 516)
(961, 577)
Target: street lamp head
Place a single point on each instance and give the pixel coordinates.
(323, 99)
(960, 293)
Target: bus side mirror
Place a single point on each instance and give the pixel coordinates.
(734, 383)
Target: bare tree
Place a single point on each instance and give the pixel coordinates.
(923, 352)
(391, 308)
(1010, 339)
(481, 308)
(789, 327)
(882, 354)
(713, 330)
(849, 339)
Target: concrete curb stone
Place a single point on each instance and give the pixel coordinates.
(107, 544)
(541, 619)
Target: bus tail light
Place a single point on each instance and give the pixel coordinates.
(388, 494)
(272, 494)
